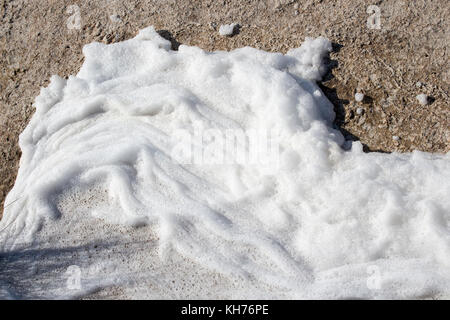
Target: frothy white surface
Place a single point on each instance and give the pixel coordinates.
(98, 190)
(423, 99)
(359, 97)
(227, 29)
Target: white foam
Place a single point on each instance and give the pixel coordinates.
(359, 97)
(227, 29)
(97, 187)
(423, 99)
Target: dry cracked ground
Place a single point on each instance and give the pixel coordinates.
(389, 50)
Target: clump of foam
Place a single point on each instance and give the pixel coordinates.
(99, 186)
(359, 97)
(228, 29)
(422, 98)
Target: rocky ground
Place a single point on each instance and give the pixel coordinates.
(390, 51)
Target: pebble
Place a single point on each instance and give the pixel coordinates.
(423, 99)
(359, 97)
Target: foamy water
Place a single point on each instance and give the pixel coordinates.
(140, 179)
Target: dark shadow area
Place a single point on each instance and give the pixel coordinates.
(340, 104)
(332, 95)
(236, 30)
(36, 273)
(18, 273)
(331, 63)
(367, 149)
(367, 100)
(336, 47)
(168, 36)
(339, 109)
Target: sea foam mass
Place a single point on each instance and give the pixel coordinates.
(102, 206)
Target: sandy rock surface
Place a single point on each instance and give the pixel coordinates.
(391, 51)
